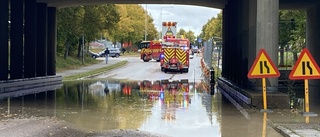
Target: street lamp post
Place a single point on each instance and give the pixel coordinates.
(145, 24)
(160, 20)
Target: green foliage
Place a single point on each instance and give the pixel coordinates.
(69, 21)
(118, 23)
(90, 21)
(213, 28)
(181, 32)
(73, 62)
(131, 26)
(291, 32)
(189, 35)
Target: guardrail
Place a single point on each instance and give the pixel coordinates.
(19, 87)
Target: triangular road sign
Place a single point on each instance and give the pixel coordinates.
(169, 32)
(305, 67)
(263, 67)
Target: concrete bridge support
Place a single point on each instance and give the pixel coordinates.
(233, 50)
(41, 48)
(4, 17)
(31, 49)
(16, 39)
(249, 25)
(30, 39)
(313, 43)
(52, 41)
(267, 35)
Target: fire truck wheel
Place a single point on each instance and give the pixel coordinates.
(145, 58)
(158, 60)
(162, 69)
(186, 70)
(165, 70)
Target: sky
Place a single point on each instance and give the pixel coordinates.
(188, 17)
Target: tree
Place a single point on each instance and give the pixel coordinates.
(90, 21)
(181, 32)
(69, 22)
(291, 32)
(190, 35)
(213, 28)
(131, 26)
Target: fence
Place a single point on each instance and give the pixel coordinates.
(207, 53)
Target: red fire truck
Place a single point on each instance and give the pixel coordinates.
(150, 50)
(175, 55)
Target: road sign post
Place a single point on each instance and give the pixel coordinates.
(263, 67)
(305, 68)
(264, 93)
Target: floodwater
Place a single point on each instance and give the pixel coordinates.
(172, 108)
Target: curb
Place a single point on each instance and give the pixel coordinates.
(93, 75)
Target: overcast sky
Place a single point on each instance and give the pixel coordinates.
(188, 17)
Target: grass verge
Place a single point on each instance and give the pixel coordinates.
(94, 72)
(73, 62)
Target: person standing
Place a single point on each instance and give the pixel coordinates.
(106, 53)
(123, 50)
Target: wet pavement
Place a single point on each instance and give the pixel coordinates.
(158, 107)
(169, 108)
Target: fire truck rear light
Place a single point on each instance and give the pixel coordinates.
(162, 56)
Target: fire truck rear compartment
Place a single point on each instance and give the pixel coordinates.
(175, 60)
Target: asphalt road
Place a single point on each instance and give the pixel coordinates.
(136, 69)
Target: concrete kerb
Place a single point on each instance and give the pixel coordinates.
(283, 130)
(93, 75)
(89, 68)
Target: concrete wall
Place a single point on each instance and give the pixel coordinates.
(313, 44)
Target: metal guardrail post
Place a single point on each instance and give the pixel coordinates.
(212, 82)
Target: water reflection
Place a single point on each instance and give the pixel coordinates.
(174, 108)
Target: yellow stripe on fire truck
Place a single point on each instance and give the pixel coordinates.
(181, 55)
(168, 53)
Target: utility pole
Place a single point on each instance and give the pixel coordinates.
(82, 49)
(145, 24)
(160, 21)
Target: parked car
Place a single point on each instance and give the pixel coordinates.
(195, 49)
(191, 56)
(94, 55)
(114, 52)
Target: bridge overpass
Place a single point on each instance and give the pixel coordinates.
(248, 26)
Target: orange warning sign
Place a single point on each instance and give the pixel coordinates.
(263, 67)
(305, 67)
(169, 32)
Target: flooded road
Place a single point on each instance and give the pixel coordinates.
(171, 108)
(148, 100)
(136, 69)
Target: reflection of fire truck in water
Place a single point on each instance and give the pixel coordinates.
(151, 88)
(175, 55)
(173, 95)
(150, 50)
